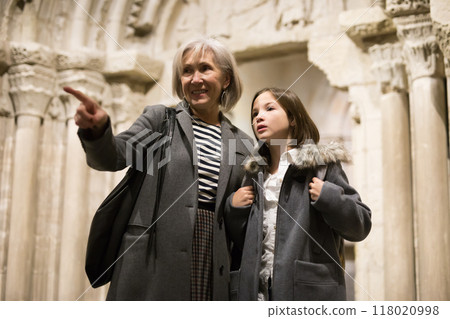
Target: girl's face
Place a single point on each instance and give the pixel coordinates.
(269, 119)
(202, 81)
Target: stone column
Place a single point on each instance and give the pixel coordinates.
(31, 87)
(364, 26)
(7, 128)
(49, 203)
(74, 72)
(368, 180)
(397, 182)
(430, 151)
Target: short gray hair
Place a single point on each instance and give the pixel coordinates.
(224, 60)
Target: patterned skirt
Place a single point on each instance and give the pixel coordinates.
(201, 267)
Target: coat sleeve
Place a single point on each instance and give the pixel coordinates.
(108, 153)
(236, 219)
(341, 206)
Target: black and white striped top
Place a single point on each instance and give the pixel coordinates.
(208, 141)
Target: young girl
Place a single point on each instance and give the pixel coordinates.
(294, 208)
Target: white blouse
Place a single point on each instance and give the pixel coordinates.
(272, 186)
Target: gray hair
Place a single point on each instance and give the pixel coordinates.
(224, 60)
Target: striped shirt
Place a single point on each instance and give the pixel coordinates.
(208, 141)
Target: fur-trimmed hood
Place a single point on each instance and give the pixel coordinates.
(306, 156)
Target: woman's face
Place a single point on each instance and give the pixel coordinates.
(269, 119)
(202, 81)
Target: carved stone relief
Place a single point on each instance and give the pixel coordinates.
(31, 53)
(397, 8)
(81, 59)
(31, 87)
(420, 47)
(143, 17)
(442, 33)
(389, 67)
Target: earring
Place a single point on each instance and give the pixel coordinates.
(222, 97)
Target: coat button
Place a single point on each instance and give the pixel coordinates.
(221, 270)
(220, 222)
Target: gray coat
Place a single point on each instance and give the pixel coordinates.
(308, 234)
(162, 271)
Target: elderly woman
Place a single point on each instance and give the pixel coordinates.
(190, 257)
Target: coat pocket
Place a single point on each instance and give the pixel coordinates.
(234, 284)
(132, 271)
(317, 281)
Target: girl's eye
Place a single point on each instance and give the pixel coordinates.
(269, 108)
(254, 114)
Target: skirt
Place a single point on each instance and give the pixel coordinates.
(201, 266)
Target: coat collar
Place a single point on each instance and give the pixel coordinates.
(185, 121)
(306, 156)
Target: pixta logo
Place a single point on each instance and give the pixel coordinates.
(141, 150)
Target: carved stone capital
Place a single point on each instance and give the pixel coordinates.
(5, 60)
(396, 8)
(370, 22)
(389, 67)
(442, 33)
(132, 66)
(90, 83)
(31, 53)
(56, 110)
(6, 107)
(422, 54)
(82, 59)
(414, 28)
(424, 59)
(31, 87)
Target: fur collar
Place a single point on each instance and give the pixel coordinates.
(306, 156)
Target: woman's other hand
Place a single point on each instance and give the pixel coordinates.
(315, 187)
(89, 114)
(244, 196)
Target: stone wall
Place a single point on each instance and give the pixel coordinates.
(373, 74)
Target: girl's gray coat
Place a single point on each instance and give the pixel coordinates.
(162, 272)
(308, 234)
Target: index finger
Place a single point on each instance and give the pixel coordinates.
(78, 94)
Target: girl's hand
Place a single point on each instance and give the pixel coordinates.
(89, 114)
(315, 187)
(244, 196)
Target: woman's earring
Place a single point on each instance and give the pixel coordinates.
(222, 97)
